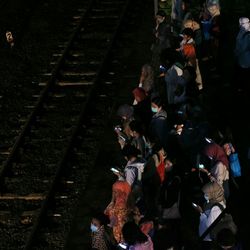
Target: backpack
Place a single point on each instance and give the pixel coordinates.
(225, 222)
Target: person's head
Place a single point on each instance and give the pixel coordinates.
(160, 16)
(226, 239)
(188, 24)
(187, 33)
(214, 9)
(125, 112)
(158, 148)
(98, 219)
(156, 103)
(136, 128)
(213, 192)
(147, 70)
(168, 164)
(132, 233)
(139, 94)
(244, 23)
(129, 152)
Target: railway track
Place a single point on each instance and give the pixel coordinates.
(39, 178)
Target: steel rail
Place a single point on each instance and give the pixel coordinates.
(41, 100)
(68, 149)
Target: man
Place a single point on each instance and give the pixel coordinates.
(162, 34)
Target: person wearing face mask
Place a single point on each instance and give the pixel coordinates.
(242, 54)
(213, 194)
(101, 235)
(158, 129)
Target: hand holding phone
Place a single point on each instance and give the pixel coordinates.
(194, 204)
(197, 207)
(201, 166)
(115, 170)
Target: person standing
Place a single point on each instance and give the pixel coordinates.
(118, 208)
(242, 54)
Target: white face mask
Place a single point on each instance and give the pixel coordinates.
(206, 197)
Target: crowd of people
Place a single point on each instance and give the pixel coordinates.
(176, 166)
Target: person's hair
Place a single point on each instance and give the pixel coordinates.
(157, 147)
(148, 69)
(132, 233)
(156, 99)
(161, 13)
(125, 110)
(136, 126)
(101, 217)
(130, 151)
(188, 32)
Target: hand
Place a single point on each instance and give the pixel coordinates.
(121, 142)
(198, 209)
(204, 170)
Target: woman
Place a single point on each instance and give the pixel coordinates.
(118, 208)
(101, 237)
(135, 238)
(219, 166)
(213, 194)
(147, 78)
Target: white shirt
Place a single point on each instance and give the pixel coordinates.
(207, 218)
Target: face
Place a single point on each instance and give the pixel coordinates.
(132, 133)
(154, 107)
(227, 148)
(168, 165)
(245, 25)
(160, 19)
(96, 222)
(163, 152)
(9, 36)
(95, 225)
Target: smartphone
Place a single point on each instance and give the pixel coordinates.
(194, 205)
(121, 137)
(115, 170)
(201, 166)
(162, 67)
(122, 245)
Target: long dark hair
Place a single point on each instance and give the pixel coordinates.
(132, 234)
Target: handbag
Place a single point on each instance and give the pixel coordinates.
(172, 212)
(235, 165)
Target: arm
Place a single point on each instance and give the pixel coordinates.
(130, 175)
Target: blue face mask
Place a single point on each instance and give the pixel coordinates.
(93, 228)
(154, 110)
